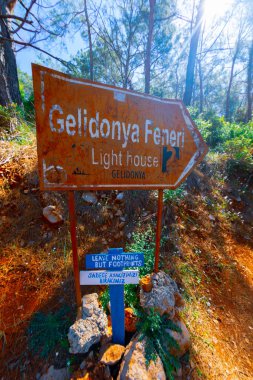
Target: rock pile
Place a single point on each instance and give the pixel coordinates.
(92, 328)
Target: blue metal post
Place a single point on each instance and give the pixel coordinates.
(117, 307)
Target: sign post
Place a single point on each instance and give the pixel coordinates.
(113, 275)
(158, 229)
(72, 219)
(91, 136)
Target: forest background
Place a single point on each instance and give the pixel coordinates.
(197, 51)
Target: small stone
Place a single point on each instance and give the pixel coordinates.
(89, 304)
(48, 235)
(208, 304)
(112, 354)
(89, 197)
(22, 243)
(211, 217)
(129, 235)
(182, 338)
(89, 358)
(120, 197)
(215, 340)
(122, 219)
(179, 301)
(146, 283)
(26, 191)
(52, 214)
(56, 374)
(130, 320)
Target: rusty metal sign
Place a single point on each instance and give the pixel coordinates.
(95, 136)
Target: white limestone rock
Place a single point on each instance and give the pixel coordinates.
(162, 295)
(134, 367)
(90, 328)
(52, 214)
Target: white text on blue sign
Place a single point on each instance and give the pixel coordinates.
(114, 261)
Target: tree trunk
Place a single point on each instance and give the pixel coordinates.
(192, 55)
(237, 48)
(149, 44)
(201, 91)
(90, 41)
(9, 87)
(249, 84)
(227, 111)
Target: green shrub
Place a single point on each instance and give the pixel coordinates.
(47, 330)
(234, 140)
(27, 95)
(142, 242)
(130, 297)
(174, 196)
(14, 126)
(153, 328)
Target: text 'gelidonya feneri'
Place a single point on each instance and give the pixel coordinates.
(97, 126)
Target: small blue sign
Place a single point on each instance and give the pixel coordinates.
(114, 261)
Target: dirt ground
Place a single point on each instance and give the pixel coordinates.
(207, 248)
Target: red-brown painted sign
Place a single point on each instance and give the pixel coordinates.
(95, 136)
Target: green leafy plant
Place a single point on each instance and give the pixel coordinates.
(144, 242)
(130, 297)
(104, 298)
(175, 195)
(47, 330)
(14, 127)
(154, 328)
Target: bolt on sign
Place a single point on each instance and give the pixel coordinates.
(95, 136)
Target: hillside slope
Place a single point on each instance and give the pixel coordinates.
(207, 247)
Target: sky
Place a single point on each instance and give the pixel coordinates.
(73, 43)
(28, 55)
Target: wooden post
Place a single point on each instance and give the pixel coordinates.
(72, 219)
(158, 228)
